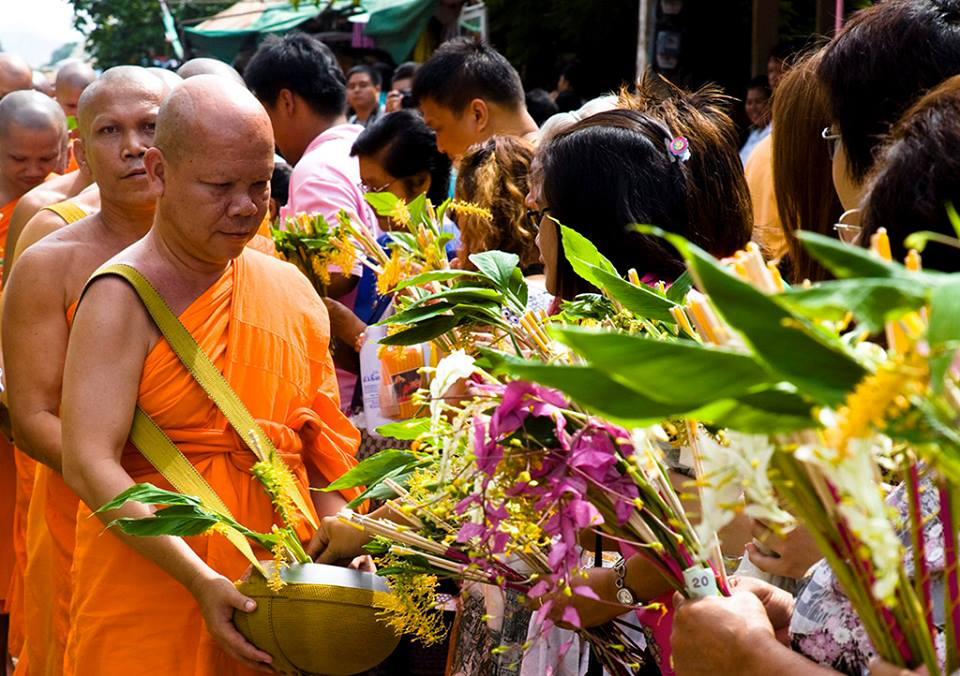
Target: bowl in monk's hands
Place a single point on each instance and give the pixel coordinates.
(323, 620)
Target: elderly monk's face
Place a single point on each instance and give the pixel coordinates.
(217, 190)
(114, 138)
(28, 156)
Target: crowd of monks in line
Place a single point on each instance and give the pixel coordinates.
(167, 173)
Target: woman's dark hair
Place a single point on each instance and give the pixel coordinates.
(302, 64)
(495, 175)
(406, 146)
(884, 58)
(603, 175)
(540, 105)
(718, 200)
(802, 181)
(280, 182)
(917, 175)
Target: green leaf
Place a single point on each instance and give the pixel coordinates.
(790, 346)
(581, 253)
(148, 494)
(678, 290)
(434, 276)
(460, 294)
(380, 490)
(497, 266)
(372, 470)
(919, 240)
(406, 430)
(943, 332)
(417, 313)
(422, 332)
(872, 301)
(177, 520)
(846, 261)
(765, 411)
(382, 202)
(682, 374)
(640, 300)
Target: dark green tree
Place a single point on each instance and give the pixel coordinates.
(131, 31)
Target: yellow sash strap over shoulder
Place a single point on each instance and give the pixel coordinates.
(68, 211)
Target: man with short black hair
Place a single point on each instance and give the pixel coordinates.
(468, 92)
(363, 94)
(298, 81)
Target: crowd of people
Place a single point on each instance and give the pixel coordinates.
(176, 178)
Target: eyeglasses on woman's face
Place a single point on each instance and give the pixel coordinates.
(534, 216)
(832, 139)
(366, 188)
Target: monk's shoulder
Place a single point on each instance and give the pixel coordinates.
(277, 273)
(282, 285)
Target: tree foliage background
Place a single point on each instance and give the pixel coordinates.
(131, 31)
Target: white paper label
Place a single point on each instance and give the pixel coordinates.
(700, 582)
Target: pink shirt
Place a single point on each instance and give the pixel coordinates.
(327, 179)
(324, 181)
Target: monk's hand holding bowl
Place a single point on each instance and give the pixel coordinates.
(218, 598)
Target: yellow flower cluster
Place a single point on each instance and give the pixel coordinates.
(394, 271)
(878, 397)
(275, 581)
(413, 606)
(470, 209)
(279, 483)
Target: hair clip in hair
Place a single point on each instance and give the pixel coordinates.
(678, 148)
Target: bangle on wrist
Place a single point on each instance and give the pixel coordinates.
(624, 595)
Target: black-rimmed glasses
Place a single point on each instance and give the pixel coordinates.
(534, 216)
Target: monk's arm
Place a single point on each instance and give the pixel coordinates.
(109, 341)
(25, 210)
(38, 227)
(34, 333)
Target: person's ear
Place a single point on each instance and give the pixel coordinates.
(479, 114)
(80, 153)
(287, 102)
(155, 164)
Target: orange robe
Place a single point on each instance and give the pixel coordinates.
(6, 211)
(25, 467)
(266, 330)
(8, 493)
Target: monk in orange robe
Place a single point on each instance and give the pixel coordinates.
(38, 305)
(141, 604)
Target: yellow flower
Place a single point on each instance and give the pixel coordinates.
(878, 396)
(275, 581)
(400, 214)
(393, 272)
(470, 209)
(320, 269)
(344, 254)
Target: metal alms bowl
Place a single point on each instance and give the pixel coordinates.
(323, 621)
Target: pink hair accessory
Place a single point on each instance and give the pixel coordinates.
(679, 148)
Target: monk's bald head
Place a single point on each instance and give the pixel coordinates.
(15, 73)
(30, 110)
(119, 85)
(210, 110)
(205, 66)
(169, 79)
(71, 80)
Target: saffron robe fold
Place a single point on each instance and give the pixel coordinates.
(267, 331)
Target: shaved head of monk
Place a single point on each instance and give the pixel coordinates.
(211, 165)
(205, 66)
(33, 133)
(116, 122)
(15, 74)
(167, 77)
(72, 79)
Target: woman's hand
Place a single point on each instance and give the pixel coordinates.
(788, 556)
(336, 540)
(777, 603)
(218, 599)
(717, 636)
(880, 668)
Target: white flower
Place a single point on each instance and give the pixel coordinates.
(456, 366)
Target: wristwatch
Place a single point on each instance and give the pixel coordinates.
(624, 595)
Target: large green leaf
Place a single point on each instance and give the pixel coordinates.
(422, 332)
(765, 411)
(148, 494)
(943, 333)
(678, 290)
(682, 374)
(846, 261)
(373, 469)
(405, 430)
(817, 365)
(872, 301)
(382, 202)
(178, 520)
(583, 255)
(434, 276)
(497, 266)
(418, 313)
(460, 294)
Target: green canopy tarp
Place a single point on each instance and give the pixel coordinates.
(396, 25)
